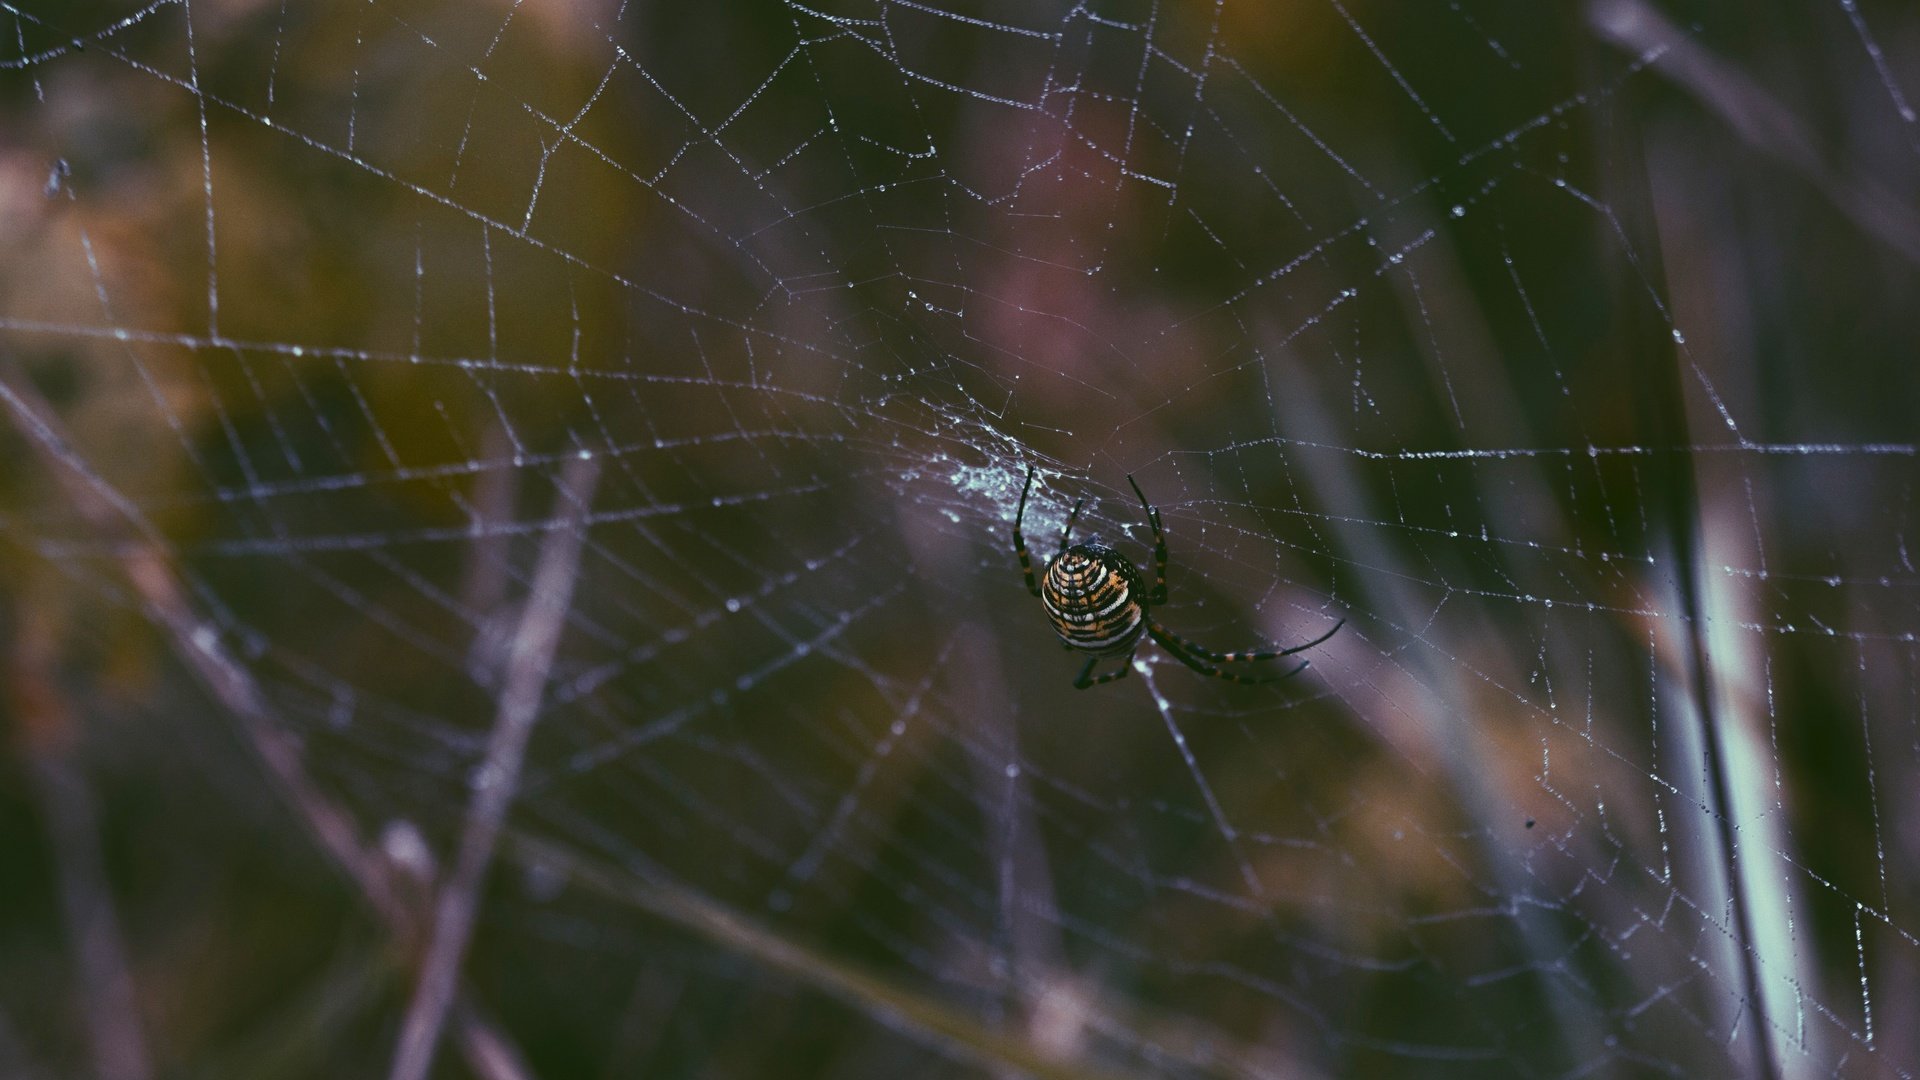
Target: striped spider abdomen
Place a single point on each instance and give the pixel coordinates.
(1092, 593)
(1098, 604)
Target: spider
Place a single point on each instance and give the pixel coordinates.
(1099, 604)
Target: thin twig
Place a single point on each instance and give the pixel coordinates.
(198, 642)
(1757, 117)
(488, 1053)
(47, 733)
(929, 1020)
(107, 990)
(529, 663)
(1660, 377)
(145, 559)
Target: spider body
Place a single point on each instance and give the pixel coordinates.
(1099, 604)
(1092, 594)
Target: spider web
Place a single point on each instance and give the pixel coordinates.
(1560, 354)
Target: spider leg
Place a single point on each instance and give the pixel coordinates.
(1081, 682)
(1159, 594)
(1019, 542)
(1174, 641)
(1068, 531)
(1174, 650)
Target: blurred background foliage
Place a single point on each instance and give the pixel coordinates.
(1567, 354)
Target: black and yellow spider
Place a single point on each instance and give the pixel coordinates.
(1099, 605)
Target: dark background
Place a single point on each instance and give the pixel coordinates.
(1566, 353)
